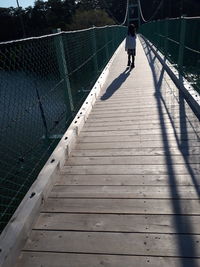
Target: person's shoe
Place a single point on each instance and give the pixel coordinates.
(132, 66)
(129, 63)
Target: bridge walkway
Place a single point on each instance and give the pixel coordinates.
(129, 194)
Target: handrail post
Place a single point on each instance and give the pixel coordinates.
(181, 44)
(94, 43)
(60, 52)
(166, 36)
(42, 111)
(115, 36)
(113, 47)
(158, 34)
(107, 52)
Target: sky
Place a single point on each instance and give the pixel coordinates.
(13, 3)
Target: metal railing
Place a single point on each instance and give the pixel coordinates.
(179, 40)
(43, 82)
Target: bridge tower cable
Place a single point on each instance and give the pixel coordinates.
(126, 14)
(113, 16)
(156, 11)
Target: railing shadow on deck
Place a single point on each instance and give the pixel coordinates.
(116, 84)
(184, 141)
(186, 245)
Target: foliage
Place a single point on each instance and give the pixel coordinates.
(170, 8)
(83, 19)
(45, 16)
(38, 20)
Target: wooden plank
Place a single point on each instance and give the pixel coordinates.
(136, 119)
(100, 107)
(143, 151)
(126, 127)
(136, 138)
(149, 99)
(142, 144)
(143, 115)
(125, 93)
(138, 104)
(133, 100)
(137, 93)
(132, 169)
(141, 136)
(137, 192)
(123, 206)
(118, 223)
(183, 132)
(133, 115)
(112, 109)
(86, 179)
(133, 160)
(144, 124)
(131, 109)
(48, 259)
(147, 123)
(115, 243)
(144, 128)
(128, 98)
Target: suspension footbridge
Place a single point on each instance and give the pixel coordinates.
(121, 187)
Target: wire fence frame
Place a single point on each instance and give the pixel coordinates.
(58, 33)
(180, 45)
(43, 107)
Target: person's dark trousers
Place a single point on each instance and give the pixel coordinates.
(131, 53)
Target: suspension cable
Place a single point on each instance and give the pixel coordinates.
(156, 11)
(126, 15)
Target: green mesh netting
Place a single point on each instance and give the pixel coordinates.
(35, 105)
(166, 34)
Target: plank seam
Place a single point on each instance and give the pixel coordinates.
(107, 254)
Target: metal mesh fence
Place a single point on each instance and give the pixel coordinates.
(179, 40)
(43, 82)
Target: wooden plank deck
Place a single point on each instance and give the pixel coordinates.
(129, 194)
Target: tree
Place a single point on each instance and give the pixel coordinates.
(115, 8)
(170, 8)
(72, 14)
(87, 18)
(36, 18)
(88, 4)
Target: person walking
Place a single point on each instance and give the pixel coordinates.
(131, 45)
